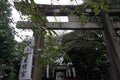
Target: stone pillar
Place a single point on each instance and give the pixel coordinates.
(112, 45)
(39, 44)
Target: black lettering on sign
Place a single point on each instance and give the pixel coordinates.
(24, 66)
(25, 60)
(29, 48)
(23, 73)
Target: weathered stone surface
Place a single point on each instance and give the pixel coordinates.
(65, 25)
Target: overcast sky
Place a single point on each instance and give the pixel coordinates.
(59, 2)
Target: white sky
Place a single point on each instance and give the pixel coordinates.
(59, 2)
(17, 17)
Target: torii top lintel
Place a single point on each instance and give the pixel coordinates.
(65, 10)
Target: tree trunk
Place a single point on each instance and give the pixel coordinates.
(112, 45)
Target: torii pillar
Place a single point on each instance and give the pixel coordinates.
(112, 44)
(39, 44)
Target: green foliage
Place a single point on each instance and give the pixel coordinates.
(97, 5)
(30, 9)
(51, 51)
(37, 18)
(87, 52)
(8, 56)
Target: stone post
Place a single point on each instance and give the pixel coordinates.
(112, 45)
(39, 44)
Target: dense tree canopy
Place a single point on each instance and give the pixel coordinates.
(87, 52)
(8, 59)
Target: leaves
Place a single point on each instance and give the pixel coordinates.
(8, 51)
(51, 51)
(86, 51)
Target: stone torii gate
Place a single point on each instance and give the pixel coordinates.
(107, 26)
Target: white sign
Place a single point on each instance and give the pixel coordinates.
(26, 64)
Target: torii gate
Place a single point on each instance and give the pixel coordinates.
(107, 26)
